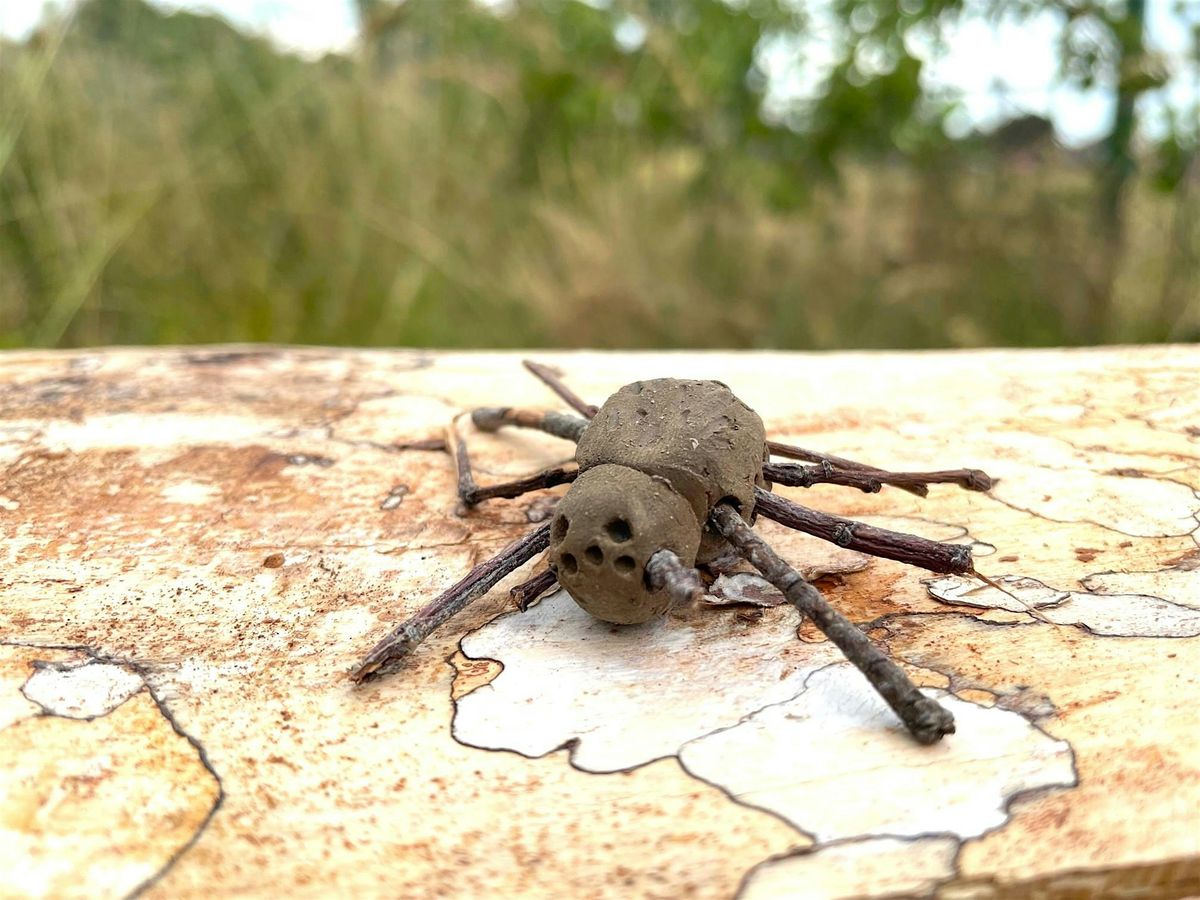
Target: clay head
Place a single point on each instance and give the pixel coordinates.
(606, 528)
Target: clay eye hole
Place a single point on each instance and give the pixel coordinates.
(568, 563)
(561, 525)
(619, 530)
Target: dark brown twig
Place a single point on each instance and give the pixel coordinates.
(788, 451)
(967, 479)
(527, 591)
(493, 418)
(924, 717)
(551, 379)
(471, 493)
(665, 570)
(824, 473)
(913, 482)
(906, 548)
(547, 478)
(405, 637)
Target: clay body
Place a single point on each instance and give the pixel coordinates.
(655, 460)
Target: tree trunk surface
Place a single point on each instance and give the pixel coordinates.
(198, 544)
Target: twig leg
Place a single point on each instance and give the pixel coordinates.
(404, 638)
(924, 717)
(666, 571)
(913, 482)
(906, 548)
(493, 418)
(551, 379)
(825, 473)
(471, 493)
(527, 591)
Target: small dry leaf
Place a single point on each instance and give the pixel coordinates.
(1029, 592)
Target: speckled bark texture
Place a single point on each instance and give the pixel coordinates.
(197, 545)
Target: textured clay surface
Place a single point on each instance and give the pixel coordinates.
(604, 532)
(696, 434)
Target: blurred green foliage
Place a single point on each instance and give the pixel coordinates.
(472, 178)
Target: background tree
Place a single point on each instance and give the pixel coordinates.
(566, 173)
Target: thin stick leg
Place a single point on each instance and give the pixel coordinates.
(906, 548)
(789, 451)
(552, 380)
(824, 473)
(527, 591)
(924, 717)
(546, 478)
(471, 493)
(493, 418)
(405, 637)
(967, 479)
(913, 482)
(665, 570)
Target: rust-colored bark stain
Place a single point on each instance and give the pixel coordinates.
(470, 674)
(100, 806)
(861, 597)
(229, 521)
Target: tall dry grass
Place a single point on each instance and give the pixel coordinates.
(239, 194)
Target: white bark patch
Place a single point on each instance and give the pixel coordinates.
(84, 692)
(195, 493)
(160, 431)
(1138, 507)
(1126, 615)
(1180, 584)
(878, 867)
(385, 420)
(837, 763)
(1059, 412)
(1029, 592)
(628, 695)
(734, 702)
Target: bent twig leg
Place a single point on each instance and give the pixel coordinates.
(471, 493)
(913, 482)
(546, 478)
(406, 636)
(924, 717)
(906, 548)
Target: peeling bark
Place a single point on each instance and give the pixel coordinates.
(237, 524)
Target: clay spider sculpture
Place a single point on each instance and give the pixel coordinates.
(669, 474)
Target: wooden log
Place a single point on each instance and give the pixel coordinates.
(197, 545)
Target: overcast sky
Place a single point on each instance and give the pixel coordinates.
(1001, 71)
